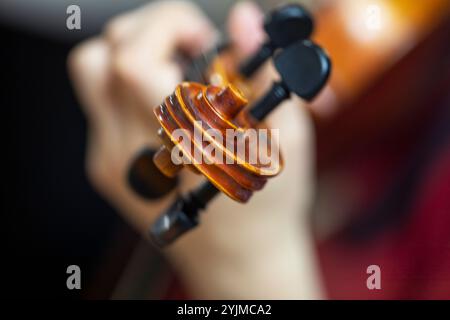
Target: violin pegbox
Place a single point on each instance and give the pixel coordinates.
(304, 68)
(202, 127)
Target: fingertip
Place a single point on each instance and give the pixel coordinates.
(245, 27)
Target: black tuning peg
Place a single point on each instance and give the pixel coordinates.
(182, 215)
(283, 26)
(146, 179)
(304, 69)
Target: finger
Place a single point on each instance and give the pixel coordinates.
(88, 66)
(146, 63)
(123, 27)
(245, 28)
(178, 25)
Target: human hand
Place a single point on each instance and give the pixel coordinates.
(258, 250)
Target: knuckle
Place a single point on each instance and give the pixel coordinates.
(124, 67)
(76, 58)
(83, 57)
(173, 12)
(113, 30)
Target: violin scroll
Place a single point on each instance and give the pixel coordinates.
(202, 127)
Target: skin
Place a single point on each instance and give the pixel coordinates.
(259, 250)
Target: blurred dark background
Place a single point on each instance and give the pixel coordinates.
(51, 217)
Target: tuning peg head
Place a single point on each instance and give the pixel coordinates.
(173, 223)
(288, 24)
(283, 26)
(304, 68)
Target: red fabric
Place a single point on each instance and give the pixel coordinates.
(414, 258)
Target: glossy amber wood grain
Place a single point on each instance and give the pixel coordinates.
(198, 108)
